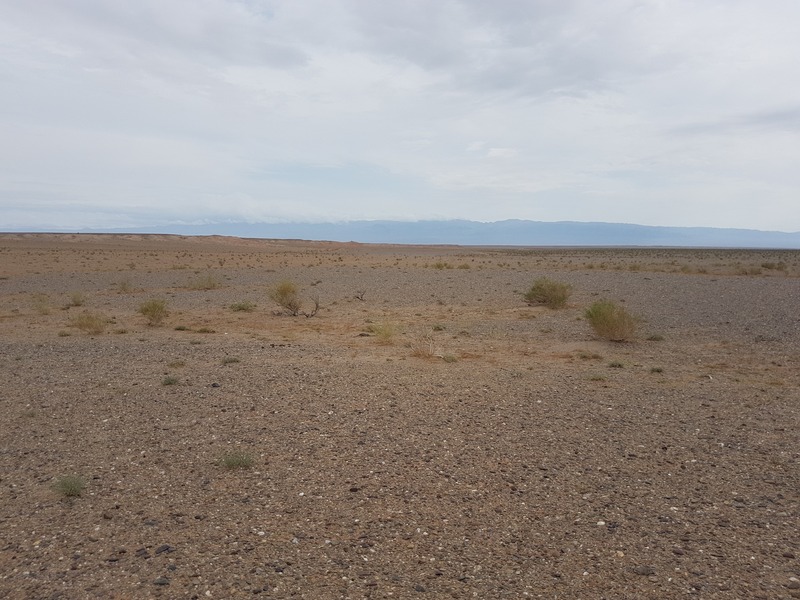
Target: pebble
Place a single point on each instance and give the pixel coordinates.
(161, 581)
(165, 548)
(644, 570)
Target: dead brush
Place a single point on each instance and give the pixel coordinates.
(425, 347)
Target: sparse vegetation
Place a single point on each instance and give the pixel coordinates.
(91, 323)
(553, 294)
(244, 306)
(41, 303)
(236, 459)
(76, 299)
(169, 380)
(229, 360)
(383, 331)
(424, 347)
(286, 296)
(204, 282)
(611, 321)
(656, 337)
(155, 310)
(69, 486)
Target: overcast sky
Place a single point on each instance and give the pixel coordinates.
(120, 113)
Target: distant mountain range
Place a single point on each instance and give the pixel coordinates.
(500, 233)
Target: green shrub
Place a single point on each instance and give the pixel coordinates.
(552, 294)
(69, 486)
(611, 321)
(236, 460)
(154, 310)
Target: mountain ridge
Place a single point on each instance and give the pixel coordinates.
(510, 232)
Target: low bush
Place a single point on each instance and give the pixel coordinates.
(286, 296)
(91, 323)
(205, 282)
(611, 321)
(236, 460)
(154, 310)
(69, 486)
(552, 294)
(244, 306)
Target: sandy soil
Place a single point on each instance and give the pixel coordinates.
(426, 434)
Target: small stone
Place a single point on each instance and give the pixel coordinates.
(165, 548)
(788, 555)
(678, 551)
(161, 581)
(215, 385)
(644, 570)
(142, 553)
(793, 584)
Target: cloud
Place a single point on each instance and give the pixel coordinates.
(149, 111)
(501, 153)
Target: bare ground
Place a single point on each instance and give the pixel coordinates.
(479, 447)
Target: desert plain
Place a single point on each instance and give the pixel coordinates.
(423, 433)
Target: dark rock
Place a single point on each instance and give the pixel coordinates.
(165, 548)
(644, 570)
(161, 581)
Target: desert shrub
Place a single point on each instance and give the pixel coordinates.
(41, 303)
(154, 310)
(244, 306)
(611, 321)
(206, 282)
(169, 380)
(383, 331)
(76, 299)
(552, 294)
(286, 296)
(424, 347)
(69, 486)
(91, 323)
(236, 460)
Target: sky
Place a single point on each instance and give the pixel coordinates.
(120, 114)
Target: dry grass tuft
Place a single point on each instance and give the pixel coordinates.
(155, 310)
(91, 323)
(611, 321)
(552, 294)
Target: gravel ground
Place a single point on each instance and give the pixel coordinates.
(486, 448)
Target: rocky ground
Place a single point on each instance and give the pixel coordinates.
(426, 434)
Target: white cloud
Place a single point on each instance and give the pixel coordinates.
(575, 110)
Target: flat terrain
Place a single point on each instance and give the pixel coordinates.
(426, 434)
